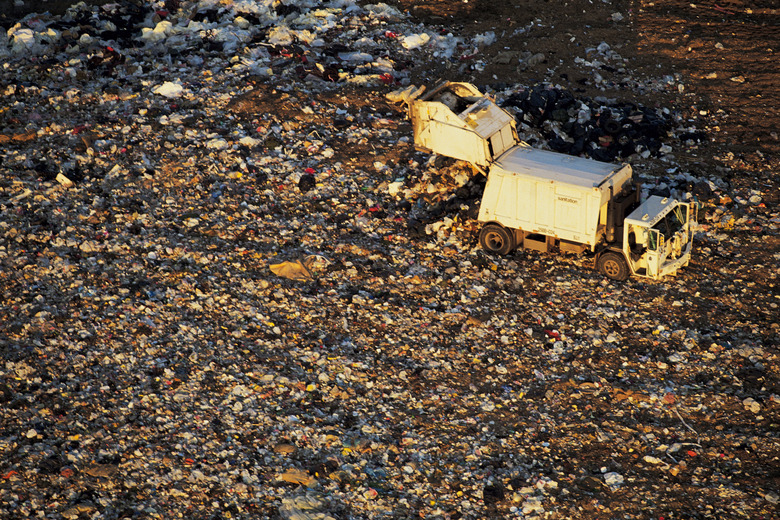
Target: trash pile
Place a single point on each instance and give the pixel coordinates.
(232, 288)
(602, 130)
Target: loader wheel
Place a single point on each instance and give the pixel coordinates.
(496, 239)
(613, 266)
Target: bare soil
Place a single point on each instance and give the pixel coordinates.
(724, 56)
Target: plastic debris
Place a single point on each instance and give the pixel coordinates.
(294, 270)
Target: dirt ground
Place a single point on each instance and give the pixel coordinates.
(725, 56)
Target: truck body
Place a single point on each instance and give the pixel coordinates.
(542, 200)
(552, 194)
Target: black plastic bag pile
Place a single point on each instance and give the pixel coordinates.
(588, 127)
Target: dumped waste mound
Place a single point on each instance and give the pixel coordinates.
(602, 129)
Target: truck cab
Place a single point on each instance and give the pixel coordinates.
(658, 237)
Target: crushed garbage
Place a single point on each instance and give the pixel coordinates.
(231, 287)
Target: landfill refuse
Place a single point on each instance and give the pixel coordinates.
(297, 270)
(161, 160)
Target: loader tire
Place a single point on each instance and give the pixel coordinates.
(613, 266)
(496, 239)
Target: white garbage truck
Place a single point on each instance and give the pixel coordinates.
(542, 200)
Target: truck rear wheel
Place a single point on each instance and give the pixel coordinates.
(496, 239)
(613, 266)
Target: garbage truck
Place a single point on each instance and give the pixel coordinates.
(543, 200)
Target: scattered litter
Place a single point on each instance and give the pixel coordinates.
(172, 347)
(169, 89)
(294, 270)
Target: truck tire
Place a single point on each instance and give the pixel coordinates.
(496, 239)
(613, 266)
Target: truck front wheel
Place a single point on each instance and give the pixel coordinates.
(496, 239)
(613, 266)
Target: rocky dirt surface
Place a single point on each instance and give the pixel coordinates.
(231, 288)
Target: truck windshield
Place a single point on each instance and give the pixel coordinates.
(673, 222)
